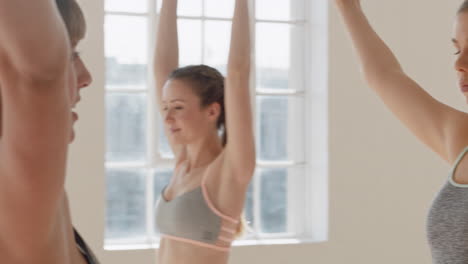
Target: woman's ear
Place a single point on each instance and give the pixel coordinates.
(214, 110)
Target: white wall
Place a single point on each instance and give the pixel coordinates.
(382, 180)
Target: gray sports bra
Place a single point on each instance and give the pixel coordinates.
(447, 225)
(192, 218)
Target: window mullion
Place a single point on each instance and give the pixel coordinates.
(123, 13)
(297, 203)
(316, 109)
(256, 195)
(152, 129)
(257, 188)
(291, 22)
(150, 212)
(203, 32)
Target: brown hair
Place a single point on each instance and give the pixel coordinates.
(73, 18)
(208, 84)
(463, 7)
(243, 227)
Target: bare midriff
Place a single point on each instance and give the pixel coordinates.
(175, 252)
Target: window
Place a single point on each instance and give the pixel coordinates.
(287, 199)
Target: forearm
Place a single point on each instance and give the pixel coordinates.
(34, 38)
(240, 146)
(239, 55)
(427, 118)
(377, 60)
(167, 50)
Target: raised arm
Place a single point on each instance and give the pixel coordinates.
(240, 146)
(436, 124)
(166, 56)
(29, 31)
(35, 63)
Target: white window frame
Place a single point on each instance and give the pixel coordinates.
(311, 225)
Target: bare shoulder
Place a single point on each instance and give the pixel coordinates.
(460, 168)
(456, 134)
(457, 145)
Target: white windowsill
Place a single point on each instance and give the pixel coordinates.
(240, 243)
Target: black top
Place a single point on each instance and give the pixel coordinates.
(84, 249)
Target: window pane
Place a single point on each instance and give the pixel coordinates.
(126, 127)
(190, 43)
(249, 207)
(126, 52)
(219, 8)
(126, 204)
(280, 9)
(274, 200)
(217, 40)
(186, 7)
(161, 180)
(134, 6)
(189, 8)
(280, 128)
(279, 66)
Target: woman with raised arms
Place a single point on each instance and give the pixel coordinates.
(442, 128)
(199, 212)
(41, 76)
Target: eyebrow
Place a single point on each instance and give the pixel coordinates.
(455, 41)
(175, 100)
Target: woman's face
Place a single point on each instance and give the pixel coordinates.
(79, 78)
(185, 120)
(460, 41)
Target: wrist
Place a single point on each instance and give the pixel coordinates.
(348, 4)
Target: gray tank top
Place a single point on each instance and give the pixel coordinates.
(192, 218)
(447, 224)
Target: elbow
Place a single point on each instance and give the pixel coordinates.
(42, 69)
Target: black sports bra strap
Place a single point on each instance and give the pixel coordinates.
(84, 249)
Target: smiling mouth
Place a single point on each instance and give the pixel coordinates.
(174, 130)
